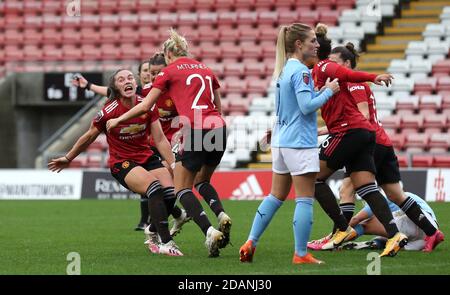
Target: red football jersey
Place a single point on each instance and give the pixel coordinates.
(190, 84)
(167, 112)
(361, 92)
(340, 112)
(129, 140)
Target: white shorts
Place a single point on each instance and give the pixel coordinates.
(295, 161)
(416, 236)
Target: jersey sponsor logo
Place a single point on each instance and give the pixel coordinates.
(324, 67)
(306, 78)
(99, 116)
(356, 87)
(133, 128)
(111, 107)
(125, 165)
(161, 74)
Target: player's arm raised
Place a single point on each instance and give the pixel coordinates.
(137, 110)
(80, 146)
(80, 81)
(333, 70)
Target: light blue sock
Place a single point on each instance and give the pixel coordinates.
(359, 230)
(303, 219)
(263, 216)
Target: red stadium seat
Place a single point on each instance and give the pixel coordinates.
(207, 33)
(442, 67)
(188, 18)
(398, 141)
(443, 84)
(72, 52)
(422, 160)
(425, 85)
(128, 34)
(403, 160)
(435, 121)
(229, 50)
(408, 103)
(247, 18)
(53, 53)
(109, 52)
(210, 50)
(228, 33)
(417, 140)
(207, 18)
(432, 102)
(414, 121)
(226, 18)
(168, 19)
(441, 161)
(109, 35)
(288, 16)
(392, 121)
(234, 69)
(254, 68)
(129, 51)
(329, 17)
(248, 33)
(257, 86)
(267, 33)
(309, 17)
(445, 99)
(33, 36)
(32, 53)
(250, 50)
(51, 36)
(268, 18)
(236, 86)
(440, 140)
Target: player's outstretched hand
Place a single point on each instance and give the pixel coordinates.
(333, 85)
(386, 78)
(56, 165)
(112, 123)
(79, 81)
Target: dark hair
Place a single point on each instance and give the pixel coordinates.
(140, 66)
(325, 44)
(158, 59)
(347, 52)
(112, 92)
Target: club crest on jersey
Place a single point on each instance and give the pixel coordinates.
(169, 102)
(133, 128)
(99, 116)
(125, 165)
(306, 78)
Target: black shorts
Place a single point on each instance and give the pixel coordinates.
(156, 152)
(352, 149)
(202, 147)
(386, 162)
(120, 170)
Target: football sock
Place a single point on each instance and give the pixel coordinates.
(209, 193)
(144, 209)
(347, 209)
(415, 213)
(158, 210)
(194, 209)
(324, 195)
(303, 219)
(379, 206)
(264, 214)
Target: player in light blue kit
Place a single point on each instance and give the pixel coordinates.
(295, 157)
(365, 223)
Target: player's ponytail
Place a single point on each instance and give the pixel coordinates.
(325, 44)
(286, 43)
(280, 57)
(176, 44)
(347, 52)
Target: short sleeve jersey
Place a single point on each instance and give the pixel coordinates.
(190, 84)
(361, 92)
(130, 140)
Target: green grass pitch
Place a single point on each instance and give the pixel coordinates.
(36, 236)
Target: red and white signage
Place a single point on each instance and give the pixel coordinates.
(244, 185)
(438, 185)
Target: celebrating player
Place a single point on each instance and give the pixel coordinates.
(194, 89)
(351, 144)
(294, 140)
(131, 160)
(386, 163)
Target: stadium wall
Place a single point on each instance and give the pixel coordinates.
(432, 184)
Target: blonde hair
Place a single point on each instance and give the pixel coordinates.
(176, 44)
(286, 43)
